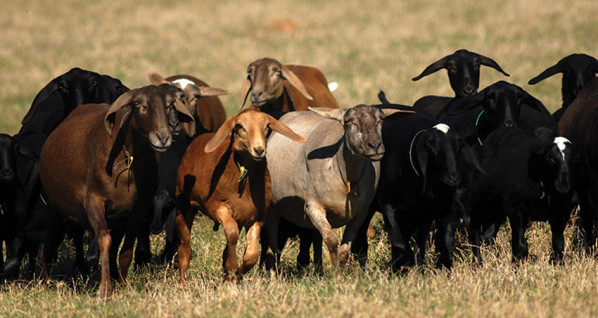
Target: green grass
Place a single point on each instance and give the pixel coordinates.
(364, 46)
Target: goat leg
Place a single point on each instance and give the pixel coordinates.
(231, 232)
(252, 250)
(317, 216)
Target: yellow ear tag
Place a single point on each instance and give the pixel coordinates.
(348, 187)
(130, 162)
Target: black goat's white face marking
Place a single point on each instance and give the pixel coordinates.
(443, 128)
(561, 142)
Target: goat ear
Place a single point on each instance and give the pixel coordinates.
(284, 130)
(534, 103)
(124, 100)
(156, 78)
(295, 81)
(221, 134)
(421, 154)
(595, 65)
(332, 113)
(391, 111)
(463, 104)
(186, 118)
(469, 156)
(245, 91)
(535, 164)
(438, 65)
(212, 91)
(491, 63)
(547, 73)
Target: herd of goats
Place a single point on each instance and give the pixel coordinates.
(93, 155)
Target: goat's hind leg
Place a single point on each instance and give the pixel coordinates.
(317, 216)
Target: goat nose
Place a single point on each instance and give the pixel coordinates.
(174, 127)
(164, 138)
(259, 151)
(374, 145)
(454, 179)
(7, 172)
(469, 90)
(508, 123)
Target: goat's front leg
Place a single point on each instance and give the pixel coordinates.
(317, 216)
(349, 235)
(252, 250)
(231, 232)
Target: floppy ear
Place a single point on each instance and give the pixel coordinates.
(534, 103)
(41, 98)
(536, 164)
(391, 111)
(470, 157)
(156, 78)
(484, 60)
(245, 91)
(295, 81)
(221, 134)
(547, 73)
(440, 64)
(186, 119)
(212, 91)
(284, 130)
(421, 155)
(124, 100)
(595, 65)
(332, 113)
(463, 104)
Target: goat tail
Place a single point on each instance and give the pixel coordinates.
(332, 86)
(382, 98)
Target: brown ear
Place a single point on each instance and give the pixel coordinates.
(221, 134)
(156, 78)
(186, 119)
(245, 91)
(332, 113)
(391, 111)
(122, 101)
(283, 129)
(295, 81)
(212, 91)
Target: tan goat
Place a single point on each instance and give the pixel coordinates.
(224, 174)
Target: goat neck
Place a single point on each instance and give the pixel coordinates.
(351, 168)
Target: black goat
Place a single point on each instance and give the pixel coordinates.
(577, 70)
(528, 179)
(7, 183)
(424, 169)
(500, 104)
(50, 106)
(463, 69)
(580, 125)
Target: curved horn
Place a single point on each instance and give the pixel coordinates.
(295, 81)
(484, 60)
(440, 64)
(547, 73)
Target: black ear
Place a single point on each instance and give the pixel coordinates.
(547, 73)
(536, 164)
(595, 65)
(490, 62)
(534, 103)
(421, 154)
(41, 98)
(463, 104)
(470, 157)
(438, 65)
(119, 141)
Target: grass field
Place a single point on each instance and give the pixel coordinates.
(364, 46)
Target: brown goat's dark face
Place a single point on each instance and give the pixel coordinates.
(266, 80)
(363, 131)
(151, 118)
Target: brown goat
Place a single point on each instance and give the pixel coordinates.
(97, 178)
(229, 182)
(275, 87)
(201, 99)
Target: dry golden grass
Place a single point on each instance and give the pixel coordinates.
(364, 46)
